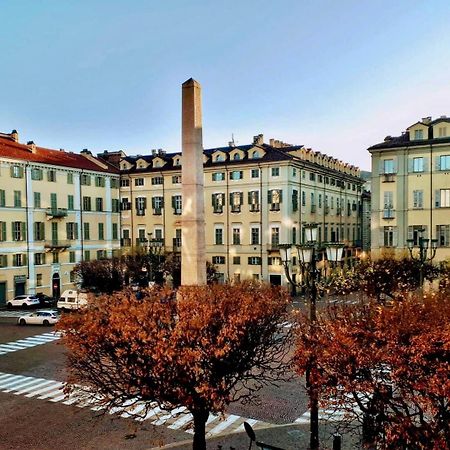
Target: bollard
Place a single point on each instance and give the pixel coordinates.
(337, 441)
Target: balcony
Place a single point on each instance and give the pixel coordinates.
(254, 207)
(125, 242)
(125, 206)
(140, 212)
(141, 242)
(388, 213)
(56, 213)
(313, 208)
(274, 206)
(56, 244)
(157, 211)
(176, 245)
(236, 208)
(177, 211)
(388, 178)
(218, 209)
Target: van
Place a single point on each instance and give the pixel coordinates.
(72, 299)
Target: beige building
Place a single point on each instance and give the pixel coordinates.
(411, 188)
(256, 196)
(56, 208)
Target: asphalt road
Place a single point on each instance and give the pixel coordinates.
(28, 422)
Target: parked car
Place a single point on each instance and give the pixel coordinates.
(45, 301)
(39, 318)
(24, 301)
(72, 299)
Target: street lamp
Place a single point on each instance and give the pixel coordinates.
(155, 247)
(423, 244)
(307, 257)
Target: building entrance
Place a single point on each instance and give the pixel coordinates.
(56, 286)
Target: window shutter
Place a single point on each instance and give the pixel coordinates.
(410, 232)
(447, 235)
(162, 202)
(380, 167)
(11, 171)
(241, 174)
(23, 230)
(223, 199)
(425, 164)
(136, 203)
(241, 198)
(153, 203)
(68, 231)
(381, 237)
(425, 232)
(76, 230)
(249, 197)
(411, 165)
(24, 259)
(437, 198)
(4, 231)
(395, 237)
(280, 191)
(269, 197)
(394, 165)
(173, 201)
(437, 163)
(231, 198)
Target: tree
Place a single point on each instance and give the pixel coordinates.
(386, 367)
(199, 348)
(101, 275)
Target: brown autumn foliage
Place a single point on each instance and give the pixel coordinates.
(389, 368)
(199, 348)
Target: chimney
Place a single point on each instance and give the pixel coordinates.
(426, 120)
(15, 135)
(32, 146)
(271, 141)
(85, 151)
(258, 140)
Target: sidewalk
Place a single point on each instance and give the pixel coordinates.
(286, 437)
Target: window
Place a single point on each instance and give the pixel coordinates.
(388, 236)
(157, 205)
(139, 181)
(388, 166)
(36, 174)
(86, 231)
(157, 180)
(17, 199)
(37, 199)
(72, 230)
(176, 179)
(218, 236)
(388, 198)
(442, 131)
(236, 236)
(101, 254)
(274, 261)
(255, 173)
(51, 175)
(294, 172)
(218, 259)
(70, 203)
(417, 164)
(39, 231)
(114, 183)
(236, 157)
(418, 134)
(236, 260)
(101, 231)
(115, 231)
(294, 235)
(125, 182)
(320, 200)
(236, 175)
(444, 198)
(254, 261)
(444, 162)
(16, 172)
(275, 171)
(236, 200)
(320, 178)
(417, 199)
(39, 259)
(19, 259)
(87, 255)
(443, 235)
(275, 236)
(2, 197)
(100, 181)
(218, 202)
(415, 232)
(219, 158)
(141, 205)
(85, 180)
(177, 204)
(72, 276)
(253, 201)
(99, 204)
(69, 178)
(274, 199)
(39, 279)
(312, 176)
(177, 239)
(3, 260)
(255, 155)
(87, 204)
(3, 236)
(72, 257)
(115, 205)
(254, 236)
(18, 231)
(303, 198)
(218, 176)
(294, 200)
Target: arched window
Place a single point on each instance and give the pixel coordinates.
(255, 155)
(236, 156)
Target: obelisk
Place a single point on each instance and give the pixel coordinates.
(193, 258)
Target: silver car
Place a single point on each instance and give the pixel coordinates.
(25, 301)
(39, 318)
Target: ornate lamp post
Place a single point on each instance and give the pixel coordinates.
(423, 247)
(155, 247)
(307, 256)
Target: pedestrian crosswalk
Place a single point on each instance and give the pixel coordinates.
(11, 313)
(177, 419)
(29, 342)
(347, 411)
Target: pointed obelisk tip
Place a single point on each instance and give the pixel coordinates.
(191, 82)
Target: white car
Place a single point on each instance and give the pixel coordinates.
(39, 318)
(26, 301)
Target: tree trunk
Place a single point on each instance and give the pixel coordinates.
(200, 418)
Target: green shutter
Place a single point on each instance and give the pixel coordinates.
(241, 198)
(173, 201)
(269, 197)
(4, 231)
(280, 191)
(76, 231)
(53, 202)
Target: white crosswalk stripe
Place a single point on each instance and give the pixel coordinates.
(177, 419)
(26, 343)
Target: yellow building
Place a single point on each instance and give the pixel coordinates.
(56, 208)
(256, 196)
(411, 188)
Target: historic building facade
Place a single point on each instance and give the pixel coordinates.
(256, 196)
(411, 188)
(56, 208)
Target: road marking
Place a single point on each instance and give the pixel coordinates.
(26, 343)
(51, 391)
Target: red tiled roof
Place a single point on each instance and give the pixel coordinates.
(14, 150)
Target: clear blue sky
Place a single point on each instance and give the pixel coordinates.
(337, 76)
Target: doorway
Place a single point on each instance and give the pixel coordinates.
(56, 286)
(275, 280)
(2, 294)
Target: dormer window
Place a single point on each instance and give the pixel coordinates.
(156, 164)
(176, 162)
(255, 155)
(219, 158)
(236, 157)
(418, 135)
(442, 132)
